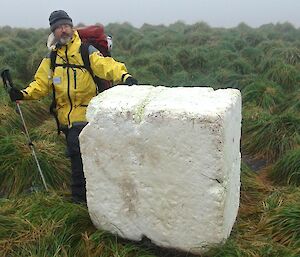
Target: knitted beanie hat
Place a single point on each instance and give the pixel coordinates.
(58, 18)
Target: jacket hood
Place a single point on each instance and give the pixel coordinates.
(52, 43)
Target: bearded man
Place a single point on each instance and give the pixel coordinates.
(73, 87)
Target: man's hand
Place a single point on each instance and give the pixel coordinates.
(131, 81)
(15, 94)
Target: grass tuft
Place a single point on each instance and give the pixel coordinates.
(18, 170)
(270, 136)
(284, 224)
(265, 94)
(286, 171)
(47, 225)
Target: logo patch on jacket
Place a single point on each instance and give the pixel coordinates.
(56, 80)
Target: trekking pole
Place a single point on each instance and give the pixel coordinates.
(7, 81)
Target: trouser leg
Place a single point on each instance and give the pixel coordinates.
(78, 180)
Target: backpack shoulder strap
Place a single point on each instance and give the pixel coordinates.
(52, 108)
(85, 55)
(85, 51)
(53, 55)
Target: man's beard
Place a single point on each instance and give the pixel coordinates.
(64, 39)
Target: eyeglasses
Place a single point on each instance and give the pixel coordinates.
(63, 27)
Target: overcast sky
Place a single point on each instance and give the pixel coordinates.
(217, 13)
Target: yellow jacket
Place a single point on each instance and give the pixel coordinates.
(74, 87)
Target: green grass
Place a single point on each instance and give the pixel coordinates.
(18, 170)
(287, 170)
(46, 225)
(252, 189)
(264, 94)
(284, 224)
(44, 228)
(41, 224)
(251, 249)
(34, 112)
(263, 63)
(292, 102)
(290, 55)
(285, 75)
(266, 226)
(270, 136)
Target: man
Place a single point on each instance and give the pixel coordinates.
(73, 88)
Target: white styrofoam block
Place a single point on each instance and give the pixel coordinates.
(164, 163)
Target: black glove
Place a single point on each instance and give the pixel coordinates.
(131, 81)
(15, 94)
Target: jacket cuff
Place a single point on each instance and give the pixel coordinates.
(25, 94)
(125, 76)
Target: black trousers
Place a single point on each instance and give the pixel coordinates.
(78, 180)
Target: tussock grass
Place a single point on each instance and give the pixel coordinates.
(292, 103)
(270, 136)
(262, 62)
(286, 171)
(285, 75)
(272, 201)
(47, 225)
(290, 55)
(284, 224)
(251, 248)
(10, 120)
(35, 113)
(280, 219)
(252, 190)
(254, 55)
(266, 223)
(229, 78)
(18, 170)
(47, 131)
(264, 94)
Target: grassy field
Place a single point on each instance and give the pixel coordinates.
(263, 63)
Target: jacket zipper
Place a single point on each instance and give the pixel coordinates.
(69, 95)
(75, 83)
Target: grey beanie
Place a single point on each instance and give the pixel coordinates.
(58, 18)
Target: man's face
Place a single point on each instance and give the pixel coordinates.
(63, 34)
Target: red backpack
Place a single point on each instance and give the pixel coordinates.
(91, 35)
(95, 36)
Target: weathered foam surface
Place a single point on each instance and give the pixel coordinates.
(164, 163)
